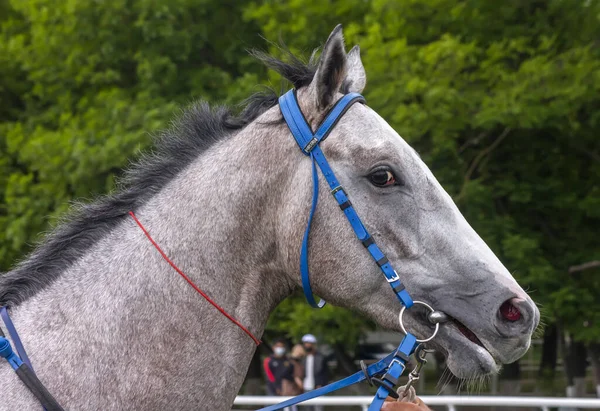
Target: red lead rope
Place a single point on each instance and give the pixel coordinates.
(190, 282)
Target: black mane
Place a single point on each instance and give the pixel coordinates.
(197, 129)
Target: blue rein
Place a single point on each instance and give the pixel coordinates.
(391, 367)
(22, 366)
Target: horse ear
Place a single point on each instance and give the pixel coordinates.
(331, 71)
(356, 80)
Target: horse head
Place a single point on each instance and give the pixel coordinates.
(436, 253)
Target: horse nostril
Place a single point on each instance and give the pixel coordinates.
(509, 312)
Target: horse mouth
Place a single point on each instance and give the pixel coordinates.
(464, 330)
(470, 335)
(466, 354)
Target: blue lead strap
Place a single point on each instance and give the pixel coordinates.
(309, 144)
(394, 363)
(395, 370)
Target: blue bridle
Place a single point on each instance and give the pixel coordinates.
(386, 372)
(309, 144)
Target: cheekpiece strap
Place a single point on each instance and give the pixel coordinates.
(309, 144)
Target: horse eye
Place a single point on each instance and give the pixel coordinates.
(382, 178)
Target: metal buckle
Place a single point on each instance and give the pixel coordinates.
(311, 145)
(394, 278)
(397, 361)
(388, 385)
(338, 188)
(437, 325)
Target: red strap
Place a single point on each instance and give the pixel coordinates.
(190, 282)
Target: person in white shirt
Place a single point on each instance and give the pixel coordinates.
(316, 373)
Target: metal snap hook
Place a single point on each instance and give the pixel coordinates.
(421, 352)
(437, 325)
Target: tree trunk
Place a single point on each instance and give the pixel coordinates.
(546, 383)
(574, 356)
(594, 350)
(254, 383)
(564, 343)
(549, 353)
(578, 356)
(510, 379)
(564, 353)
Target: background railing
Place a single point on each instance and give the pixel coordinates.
(450, 402)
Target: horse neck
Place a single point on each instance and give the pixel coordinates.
(216, 221)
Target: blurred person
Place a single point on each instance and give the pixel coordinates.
(278, 367)
(297, 357)
(316, 373)
(291, 384)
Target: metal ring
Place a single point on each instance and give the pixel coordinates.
(437, 325)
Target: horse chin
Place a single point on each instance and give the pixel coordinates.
(465, 357)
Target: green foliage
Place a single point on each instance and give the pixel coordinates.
(83, 83)
(294, 318)
(501, 100)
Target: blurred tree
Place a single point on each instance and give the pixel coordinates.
(83, 83)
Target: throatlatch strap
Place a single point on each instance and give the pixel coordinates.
(309, 144)
(304, 251)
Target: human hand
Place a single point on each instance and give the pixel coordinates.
(392, 405)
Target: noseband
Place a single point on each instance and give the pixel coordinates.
(309, 144)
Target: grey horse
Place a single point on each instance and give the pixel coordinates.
(108, 324)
